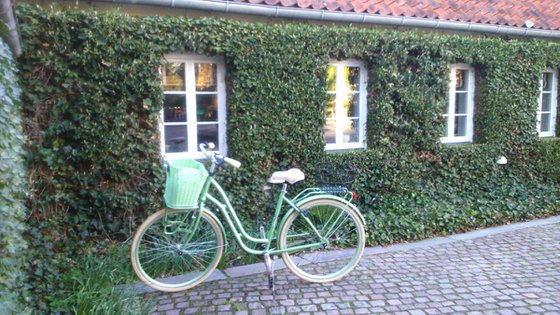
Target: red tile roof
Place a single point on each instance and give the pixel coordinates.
(544, 13)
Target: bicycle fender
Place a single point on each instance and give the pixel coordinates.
(332, 197)
(210, 213)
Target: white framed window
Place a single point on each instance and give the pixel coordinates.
(459, 113)
(194, 105)
(548, 103)
(346, 108)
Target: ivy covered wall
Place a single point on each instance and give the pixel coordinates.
(12, 189)
(92, 96)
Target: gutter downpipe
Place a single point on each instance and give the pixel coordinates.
(7, 17)
(337, 16)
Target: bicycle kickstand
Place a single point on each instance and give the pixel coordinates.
(269, 263)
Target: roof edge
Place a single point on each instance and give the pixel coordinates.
(344, 17)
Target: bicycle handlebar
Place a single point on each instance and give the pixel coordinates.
(232, 162)
(215, 157)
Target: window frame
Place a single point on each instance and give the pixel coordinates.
(190, 95)
(553, 104)
(450, 115)
(339, 91)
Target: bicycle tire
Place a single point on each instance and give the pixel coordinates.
(179, 261)
(330, 261)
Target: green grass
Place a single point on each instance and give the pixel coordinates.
(95, 282)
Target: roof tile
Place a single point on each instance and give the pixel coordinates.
(288, 3)
(544, 13)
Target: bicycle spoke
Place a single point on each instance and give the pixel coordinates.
(338, 231)
(180, 259)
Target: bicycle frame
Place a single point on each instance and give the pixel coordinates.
(224, 206)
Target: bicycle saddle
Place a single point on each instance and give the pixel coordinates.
(291, 176)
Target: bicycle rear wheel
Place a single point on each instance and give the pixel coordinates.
(338, 247)
(171, 253)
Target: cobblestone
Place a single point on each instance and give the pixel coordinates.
(515, 272)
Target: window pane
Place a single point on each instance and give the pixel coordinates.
(330, 134)
(175, 138)
(352, 78)
(331, 79)
(461, 80)
(208, 133)
(461, 103)
(352, 104)
(174, 77)
(545, 107)
(331, 106)
(207, 107)
(547, 81)
(174, 108)
(545, 122)
(350, 132)
(205, 76)
(460, 126)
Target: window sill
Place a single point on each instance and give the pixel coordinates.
(181, 155)
(346, 147)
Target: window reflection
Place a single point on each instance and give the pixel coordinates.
(460, 126)
(208, 133)
(352, 78)
(331, 79)
(546, 102)
(175, 139)
(352, 104)
(207, 107)
(331, 105)
(205, 74)
(174, 108)
(545, 122)
(174, 77)
(350, 132)
(330, 132)
(547, 78)
(461, 103)
(461, 80)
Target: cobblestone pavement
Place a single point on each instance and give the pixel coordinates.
(515, 272)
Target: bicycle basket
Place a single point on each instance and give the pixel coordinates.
(185, 180)
(334, 174)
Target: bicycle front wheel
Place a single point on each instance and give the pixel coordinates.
(325, 243)
(174, 251)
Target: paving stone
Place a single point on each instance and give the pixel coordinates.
(328, 306)
(165, 307)
(309, 308)
(277, 310)
(293, 309)
(361, 304)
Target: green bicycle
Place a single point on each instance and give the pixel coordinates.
(321, 236)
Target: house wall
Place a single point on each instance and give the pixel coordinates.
(92, 106)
